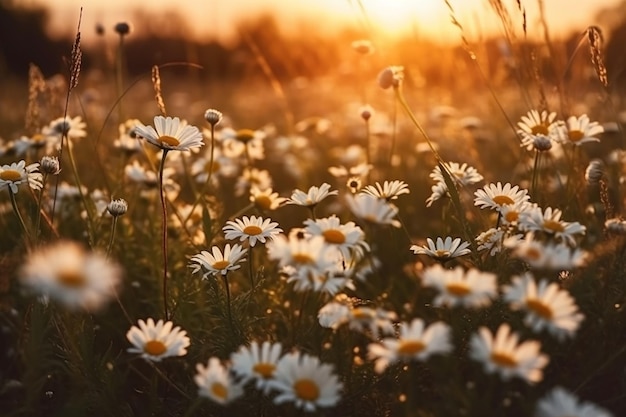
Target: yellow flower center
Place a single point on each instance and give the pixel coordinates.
(553, 226)
(502, 200)
(71, 279)
(533, 254)
(503, 359)
(168, 140)
(10, 175)
(216, 166)
(540, 308)
(410, 347)
(252, 230)
(266, 370)
(540, 129)
(39, 139)
(511, 216)
(154, 348)
(575, 135)
(442, 253)
(459, 289)
(244, 135)
(360, 314)
(303, 258)
(219, 390)
(223, 264)
(263, 202)
(334, 236)
(306, 389)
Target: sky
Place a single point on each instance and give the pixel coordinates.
(427, 18)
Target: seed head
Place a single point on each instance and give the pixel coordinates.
(213, 116)
(50, 165)
(117, 207)
(391, 77)
(594, 172)
(122, 28)
(366, 112)
(542, 143)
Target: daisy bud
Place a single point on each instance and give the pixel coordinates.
(391, 77)
(594, 171)
(366, 112)
(122, 28)
(542, 143)
(50, 165)
(363, 47)
(117, 207)
(213, 116)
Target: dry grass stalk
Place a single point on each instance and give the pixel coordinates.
(594, 34)
(76, 57)
(36, 85)
(156, 84)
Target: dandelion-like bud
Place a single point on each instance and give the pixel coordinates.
(213, 116)
(542, 143)
(391, 77)
(363, 46)
(366, 112)
(594, 172)
(117, 207)
(50, 165)
(122, 28)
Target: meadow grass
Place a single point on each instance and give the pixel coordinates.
(158, 274)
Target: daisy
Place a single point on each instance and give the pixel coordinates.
(360, 170)
(217, 263)
(156, 341)
(345, 237)
(66, 273)
(222, 167)
(416, 341)
(312, 197)
(72, 128)
(542, 255)
(443, 250)
(305, 381)
(265, 199)
(463, 174)
(251, 178)
(15, 174)
(535, 124)
(257, 363)
(510, 213)
(390, 190)
(391, 77)
(559, 402)
(549, 221)
(504, 355)
(374, 321)
(251, 229)
(579, 130)
(616, 225)
(333, 314)
(216, 383)
(496, 196)
(171, 134)
(373, 210)
(547, 306)
(438, 190)
(471, 289)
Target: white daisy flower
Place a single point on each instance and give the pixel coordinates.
(390, 190)
(416, 341)
(546, 304)
(438, 190)
(257, 363)
(253, 178)
(252, 229)
(549, 221)
(471, 289)
(579, 130)
(157, 341)
(66, 273)
(616, 225)
(540, 255)
(373, 210)
(535, 124)
(217, 262)
(345, 237)
(216, 383)
(504, 355)
(463, 174)
(559, 402)
(18, 173)
(265, 199)
(171, 134)
(72, 128)
(443, 250)
(333, 314)
(312, 197)
(496, 196)
(305, 381)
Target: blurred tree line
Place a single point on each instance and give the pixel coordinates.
(160, 38)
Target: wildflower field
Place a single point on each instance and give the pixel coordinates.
(359, 244)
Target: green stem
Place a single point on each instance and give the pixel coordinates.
(119, 80)
(230, 315)
(533, 186)
(19, 216)
(394, 119)
(83, 197)
(251, 266)
(164, 233)
(113, 227)
(39, 202)
(206, 184)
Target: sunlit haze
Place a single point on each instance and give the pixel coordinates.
(430, 18)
